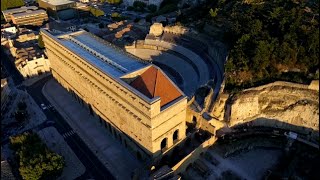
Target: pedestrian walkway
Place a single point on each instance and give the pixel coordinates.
(109, 151)
(68, 134)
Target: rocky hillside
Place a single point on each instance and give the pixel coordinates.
(277, 104)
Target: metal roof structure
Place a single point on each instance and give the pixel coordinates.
(19, 10)
(101, 54)
(24, 14)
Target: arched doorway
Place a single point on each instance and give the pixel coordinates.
(175, 135)
(139, 156)
(164, 143)
(194, 120)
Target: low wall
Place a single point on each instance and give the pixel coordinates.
(181, 166)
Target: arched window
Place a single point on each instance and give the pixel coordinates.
(125, 143)
(109, 127)
(164, 143)
(194, 120)
(139, 155)
(120, 138)
(175, 135)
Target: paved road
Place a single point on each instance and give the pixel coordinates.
(94, 168)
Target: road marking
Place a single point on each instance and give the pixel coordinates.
(68, 134)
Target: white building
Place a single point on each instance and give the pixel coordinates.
(32, 68)
(12, 30)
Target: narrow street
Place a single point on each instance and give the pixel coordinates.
(94, 168)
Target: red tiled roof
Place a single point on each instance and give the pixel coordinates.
(154, 83)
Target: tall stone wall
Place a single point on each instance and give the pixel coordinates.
(112, 101)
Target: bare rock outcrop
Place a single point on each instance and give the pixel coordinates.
(287, 104)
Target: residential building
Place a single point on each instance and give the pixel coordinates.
(29, 15)
(30, 66)
(134, 100)
(11, 30)
(59, 9)
(62, 27)
(5, 93)
(7, 13)
(34, 18)
(8, 33)
(82, 10)
(30, 59)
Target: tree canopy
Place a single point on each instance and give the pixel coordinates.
(267, 40)
(40, 42)
(36, 161)
(7, 4)
(96, 12)
(114, 1)
(271, 39)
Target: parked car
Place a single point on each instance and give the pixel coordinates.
(43, 107)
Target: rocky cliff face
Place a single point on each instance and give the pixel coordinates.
(284, 103)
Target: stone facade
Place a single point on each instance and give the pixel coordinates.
(34, 18)
(153, 130)
(35, 67)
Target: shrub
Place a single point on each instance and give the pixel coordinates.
(36, 161)
(114, 1)
(140, 4)
(136, 20)
(152, 8)
(96, 12)
(130, 8)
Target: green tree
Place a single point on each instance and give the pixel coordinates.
(115, 15)
(130, 8)
(22, 106)
(152, 8)
(96, 12)
(36, 161)
(101, 25)
(137, 4)
(213, 13)
(114, 1)
(40, 42)
(7, 4)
